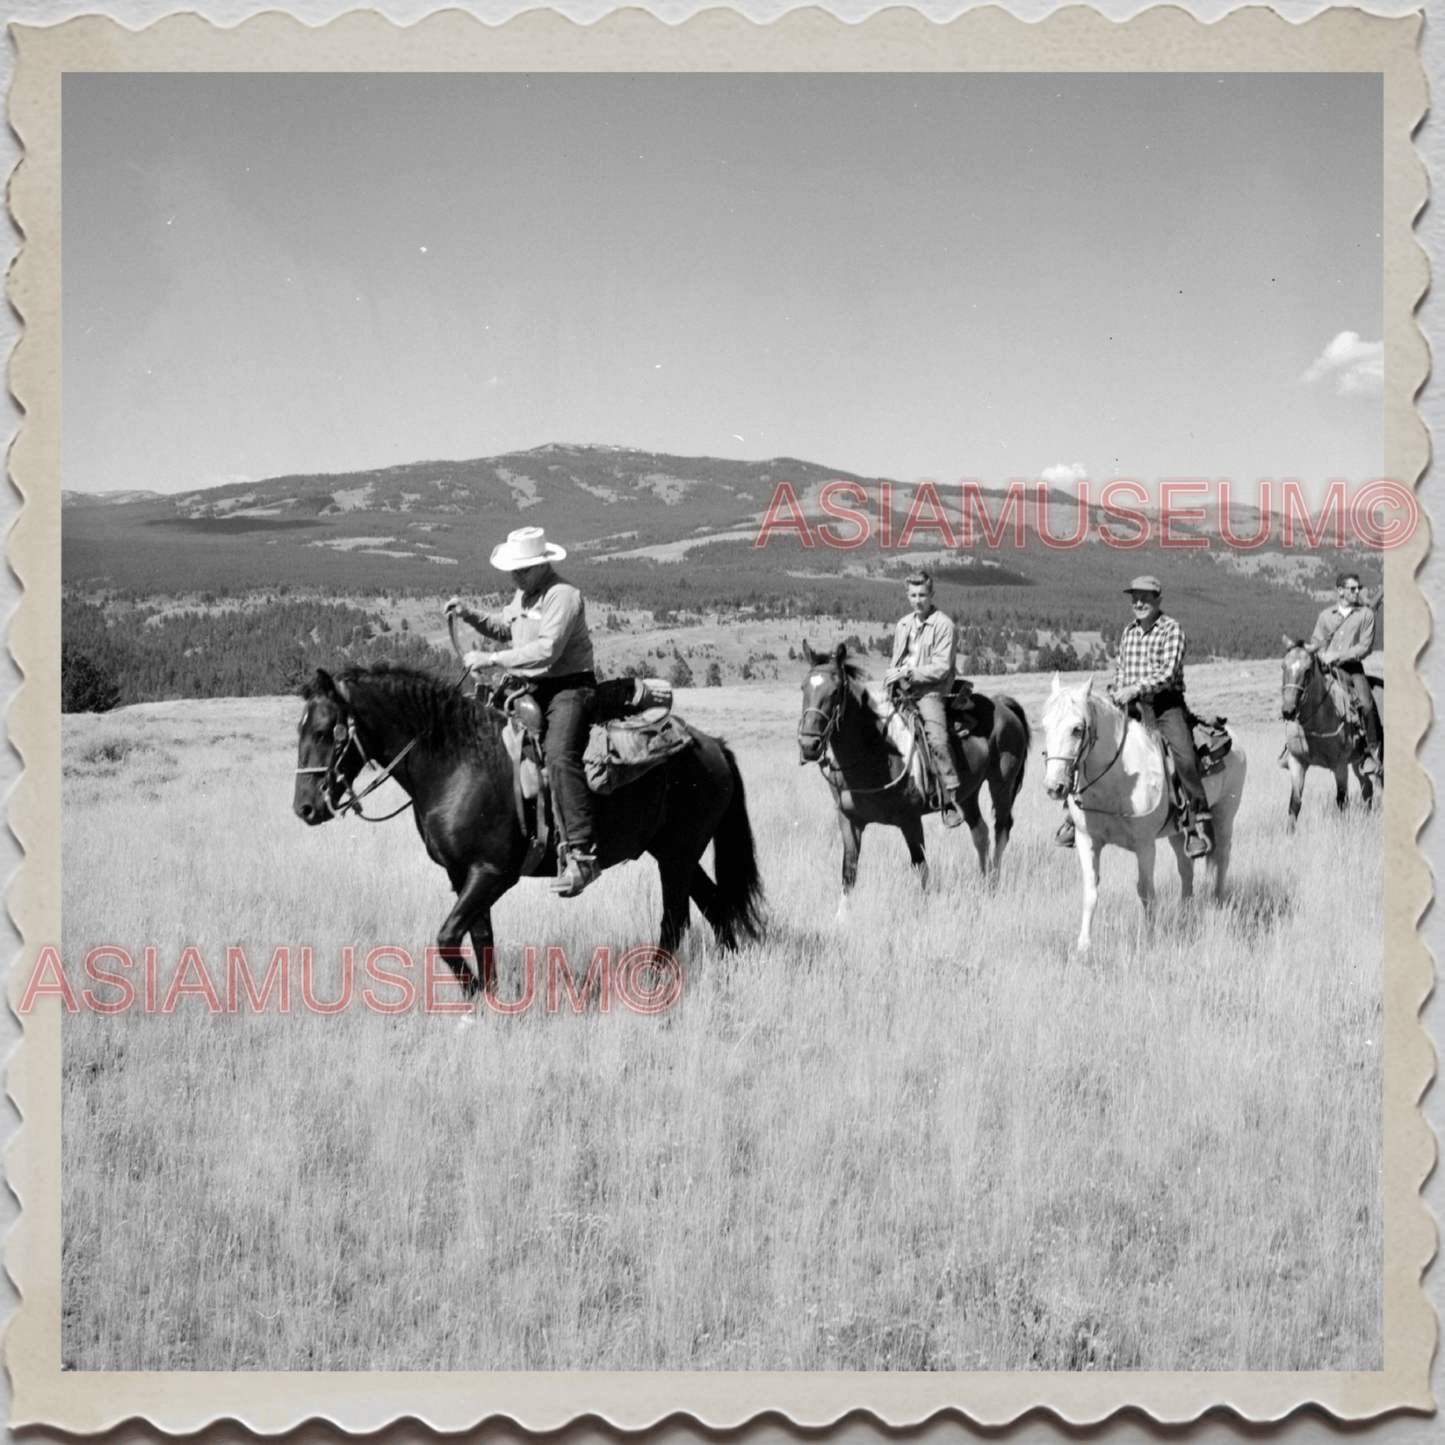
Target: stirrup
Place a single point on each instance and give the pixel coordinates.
(1370, 766)
(1200, 842)
(949, 813)
(581, 871)
(1064, 838)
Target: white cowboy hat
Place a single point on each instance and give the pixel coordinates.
(526, 548)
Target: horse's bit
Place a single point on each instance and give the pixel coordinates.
(833, 771)
(1299, 689)
(1077, 761)
(345, 736)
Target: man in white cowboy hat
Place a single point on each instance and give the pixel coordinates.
(1150, 671)
(546, 625)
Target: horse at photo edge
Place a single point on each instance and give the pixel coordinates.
(447, 753)
(1317, 733)
(1111, 769)
(844, 731)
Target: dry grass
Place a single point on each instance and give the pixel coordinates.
(934, 1141)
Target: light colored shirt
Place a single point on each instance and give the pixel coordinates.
(547, 629)
(926, 647)
(1345, 636)
(1151, 661)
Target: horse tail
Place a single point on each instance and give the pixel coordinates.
(738, 907)
(1023, 721)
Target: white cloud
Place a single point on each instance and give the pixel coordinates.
(1357, 367)
(1062, 473)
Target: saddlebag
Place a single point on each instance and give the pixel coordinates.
(1212, 743)
(621, 751)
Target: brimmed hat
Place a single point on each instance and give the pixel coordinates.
(1145, 584)
(526, 547)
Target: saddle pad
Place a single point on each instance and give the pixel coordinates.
(903, 741)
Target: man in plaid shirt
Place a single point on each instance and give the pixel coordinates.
(1150, 672)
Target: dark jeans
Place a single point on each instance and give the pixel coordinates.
(1354, 674)
(570, 706)
(1173, 723)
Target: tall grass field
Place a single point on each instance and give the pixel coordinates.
(933, 1138)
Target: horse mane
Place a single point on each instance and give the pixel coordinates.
(433, 706)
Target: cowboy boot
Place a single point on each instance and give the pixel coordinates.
(579, 872)
(1064, 838)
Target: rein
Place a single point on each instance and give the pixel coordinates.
(351, 803)
(1077, 761)
(1301, 689)
(834, 770)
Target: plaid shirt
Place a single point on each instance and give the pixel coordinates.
(1152, 661)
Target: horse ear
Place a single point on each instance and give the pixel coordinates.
(1288, 642)
(1088, 687)
(840, 653)
(323, 684)
(814, 658)
(1054, 690)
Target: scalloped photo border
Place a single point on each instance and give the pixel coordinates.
(1075, 39)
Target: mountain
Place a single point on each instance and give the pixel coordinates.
(629, 517)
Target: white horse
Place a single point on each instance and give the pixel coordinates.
(1110, 767)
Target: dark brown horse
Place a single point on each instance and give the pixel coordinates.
(449, 756)
(1319, 735)
(846, 734)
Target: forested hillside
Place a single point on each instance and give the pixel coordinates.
(140, 654)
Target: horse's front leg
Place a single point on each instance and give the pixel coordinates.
(471, 915)
(912, 831)
(1145, 854)
(1088, 850)
(978, 830)
(1367, 790)
(852, 831)
(1296, 789)
(1185, 865)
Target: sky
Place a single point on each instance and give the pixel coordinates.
(905, 276)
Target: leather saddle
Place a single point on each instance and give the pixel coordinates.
(531, 789)
(514, 700)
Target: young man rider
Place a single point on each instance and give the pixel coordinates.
(924, 646)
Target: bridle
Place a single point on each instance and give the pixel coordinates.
(1076, 761)
(833, 768)
(831, 718)
(1300, 689)
(344, 737)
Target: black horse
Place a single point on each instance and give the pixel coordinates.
(847, 736)
(450, 757)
